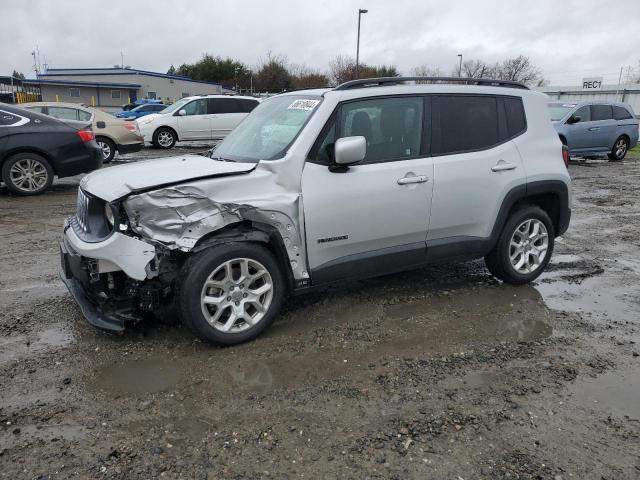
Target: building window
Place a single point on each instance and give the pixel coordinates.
(151, 95)
(185, 94)
(74, 92)
(115, 94)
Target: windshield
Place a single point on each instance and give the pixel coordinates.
(175, 106)
(557, 111)
(268, 131)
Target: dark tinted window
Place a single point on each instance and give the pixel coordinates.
(601, 112)
(620, 113)
(247, 105)
(157, 108)
(224, 105)
(467, 122)
(392, 128)
(516, 122)
(7, 118)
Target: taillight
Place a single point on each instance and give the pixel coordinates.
(565, 155)
(132, 127)
(86, 135)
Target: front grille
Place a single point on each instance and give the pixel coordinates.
(90, 222)
(82, 211)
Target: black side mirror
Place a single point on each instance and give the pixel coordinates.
(574, 119)
(101, 124)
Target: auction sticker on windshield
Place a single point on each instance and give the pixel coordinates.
(303, 105)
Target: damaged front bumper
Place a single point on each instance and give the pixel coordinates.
(110, 280)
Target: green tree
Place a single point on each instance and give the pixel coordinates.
(343, 69)
(273, 75)
(214, 69)
(18, 75)
(172, 70)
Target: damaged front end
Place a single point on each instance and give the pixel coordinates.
(129, 272)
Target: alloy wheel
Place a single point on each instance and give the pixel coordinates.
(29, 175)
(237, 295)
(106, 149)
(528, 246)
(165, 139)
(621, 148)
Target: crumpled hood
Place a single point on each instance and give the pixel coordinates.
(113, 183)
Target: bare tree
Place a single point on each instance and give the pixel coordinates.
(519, 69)
(633, 74)
(343, 69)
(477, 69)
(305, 77)
(426, 71)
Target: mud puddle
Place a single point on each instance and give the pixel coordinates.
(444, 323)
(614, 393)
(14, 348)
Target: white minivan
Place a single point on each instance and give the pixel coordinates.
(206, 117)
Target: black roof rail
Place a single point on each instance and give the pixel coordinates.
(385, 81)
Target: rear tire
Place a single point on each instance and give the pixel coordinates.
(619, 150)
(108, 149)
(524, 246)
(27, 174)
(229, 294)
(164, 138)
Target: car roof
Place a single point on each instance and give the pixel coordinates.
(193, 97)
(588, 102)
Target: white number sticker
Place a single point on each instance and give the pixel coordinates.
(303, 105)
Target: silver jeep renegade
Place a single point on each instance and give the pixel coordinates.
(319, 186)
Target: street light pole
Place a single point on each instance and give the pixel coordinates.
(360, 12)
(460, 68)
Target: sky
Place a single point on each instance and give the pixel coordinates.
(567, 39)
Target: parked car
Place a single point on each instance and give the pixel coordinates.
(595, 128)
(142, 101)
(141, 111)
(316, 187)
(34, 148)
(112, 134)
(209, 117)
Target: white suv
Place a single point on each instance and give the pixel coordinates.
(318, 186)
(209, 117)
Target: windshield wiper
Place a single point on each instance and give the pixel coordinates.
(222, 159)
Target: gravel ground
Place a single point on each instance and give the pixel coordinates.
(440, 373)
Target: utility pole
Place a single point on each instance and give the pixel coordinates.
(121, 59)
(619, 81)
(360, 12)
(460, 67)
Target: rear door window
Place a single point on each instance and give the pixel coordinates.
(620, 113)
(601, 112)
(63, 113)
(465, 123)
(248, 105)
(224, 105)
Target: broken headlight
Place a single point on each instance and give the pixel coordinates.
(108, 213)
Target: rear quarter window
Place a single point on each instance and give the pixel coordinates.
(621, 113)
(516, 120)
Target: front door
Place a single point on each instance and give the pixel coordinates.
(373, 217)
(580, 135)
(196, 124)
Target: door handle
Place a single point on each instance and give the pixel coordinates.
(502, 166)
(592, 129)
(415, 179)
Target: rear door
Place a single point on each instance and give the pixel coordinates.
(603, 126)
(475, 164)
(226, 114)
(196, 124)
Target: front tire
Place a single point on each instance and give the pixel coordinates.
(230, 293)
(108, 149)
(619, 150)
(164, 138)
(524, 247)
(27, 174)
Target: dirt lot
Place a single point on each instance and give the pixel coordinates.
(440, 373)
